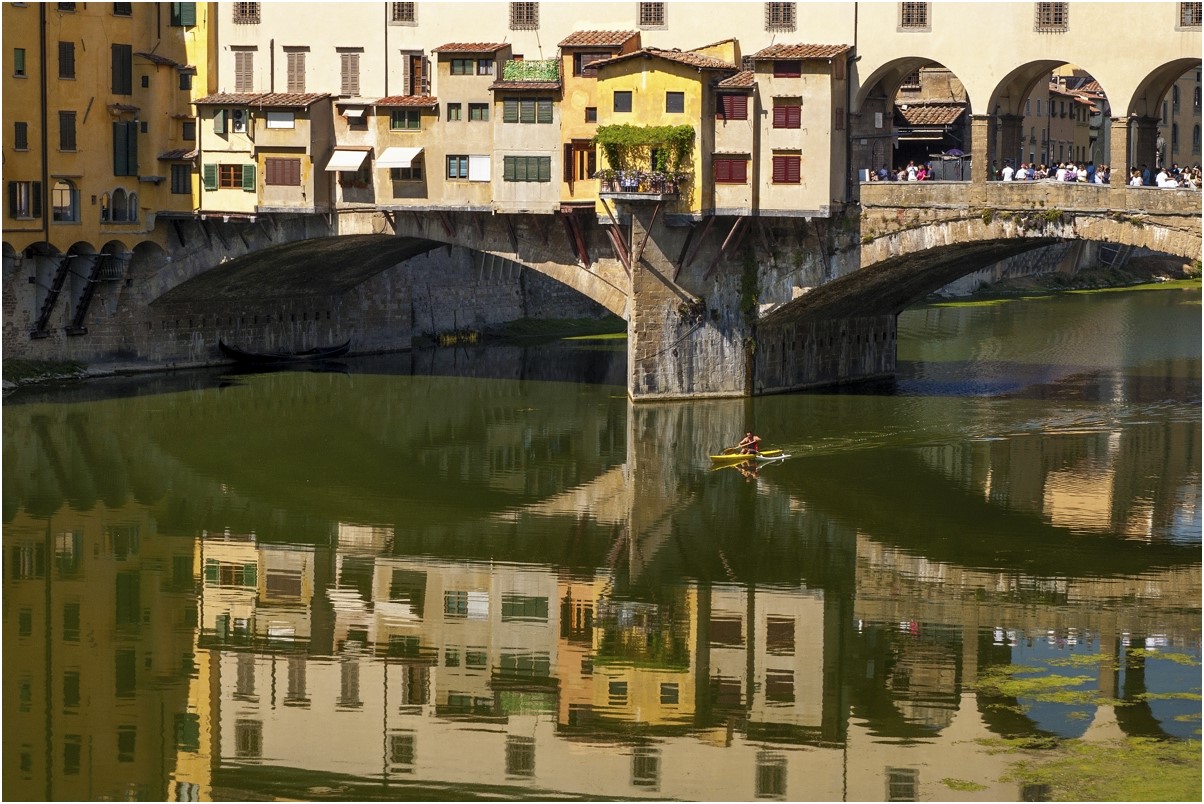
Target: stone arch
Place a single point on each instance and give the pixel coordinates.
(106, 207)
(1146, 100)
(82, 258)
(119, 209)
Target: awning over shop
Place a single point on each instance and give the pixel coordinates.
(398, 157)
(346, 160)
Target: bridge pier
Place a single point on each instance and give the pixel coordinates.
(793, 355)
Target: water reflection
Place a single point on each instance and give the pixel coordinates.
(375, 585)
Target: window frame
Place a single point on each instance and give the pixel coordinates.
(478, 113)
(675, 96)
(653, 16)
(245, 13)
(524, 16)
(20, 135)
(403, 13)
(915, 17)
(67, 61)
(462, 66)
(67, 131)
(781, 17)
(455, 171)
(280, 171)
(787, 115)
(123, 69)
(406, 116)
(1051, 17)
(722, 169)
(731, 106)
(787, 68)
(187, 182)
(349, 72)
(20, 68)
(411, 173)
(628, 96)
(787, 161)
(1190, 16)
(25, 200)
(454, 112)
(71, 215)
(515, 164)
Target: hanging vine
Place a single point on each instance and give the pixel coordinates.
(666, 149)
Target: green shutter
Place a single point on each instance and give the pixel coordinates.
(211, 563)
(508, 168)
(248, 178)
(545, 168)
(219, 121)
(121, 150)
(510, 111)
(183, 14)
(132, 149)
(544, 111)
(35, 199)
(248, 570)
(19, 61)
(526, 110)
(209, 176)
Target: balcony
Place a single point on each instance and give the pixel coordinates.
(547, 70)
(638, 185)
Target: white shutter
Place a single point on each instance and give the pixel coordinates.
(478, 168)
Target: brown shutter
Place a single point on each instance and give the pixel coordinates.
(739, 107)
(723, 170)
(269, 171)
(794, 116)
(793, 164)
(779, 117)
(568, 162)
(779, 169)
(740, 171)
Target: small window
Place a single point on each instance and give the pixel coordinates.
(123, 69)
(229, 177)
(520, 751)
(123, 9)
(295, 60)
(1052, 17)
(462, 67)
(731, 170)
(66, 60)
(731, 107)
(584, 63)
(645, 767)
(771, 775)
(21, 136)
(457, 168)
(66, 7)
(350, 73)
(524, 16)
(779, 17)
(527, 169)
(403, 13)
(591, 114)
(914, 17)
(622, 101)
(66, 131)
(246, 13)
(902, 784)
(675, 102)
(478, 112)
(19, 62)
(188, 130)
(411, 173)
(652, 15)
(65, 202)
(787, 113)
(244, 70)
(282, 173)
(405, 119)
(484, 66)
(25, 199)
(455, 112)
(787, 68)
(186, 79)
(183, 15)
(787, 169)
(181, 179)
(1190, 15)
(281, 120)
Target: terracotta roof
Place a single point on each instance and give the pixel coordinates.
(680, 56)
(281, 99)
(178, 153)
(801, 52)
(931, 114)
(504, 85)
(157, 59)
(122, 107)
(470, 47)
(598, 38)
(745, 79)
(407, 100)
(1092, 86)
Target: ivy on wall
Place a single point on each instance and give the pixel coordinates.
(629, 147)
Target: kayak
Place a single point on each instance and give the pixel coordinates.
(736, 457)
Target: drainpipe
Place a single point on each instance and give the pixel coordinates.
(271, 65)
(850, 171)
(47, 194)
(386, 27)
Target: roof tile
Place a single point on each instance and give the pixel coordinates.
(281, 99)
(744, 79)
(801, 52)
(407, 100)
(470, 47)
(178, 153)
(598, 38)
(680, 56)
(931, 114)
(157, 59)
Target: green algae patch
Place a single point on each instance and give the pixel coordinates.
(1177, 658)
(963, 785)
(1038, 685)
(26, 371)
(605, 336)
(1133, 769)
(1172, 284)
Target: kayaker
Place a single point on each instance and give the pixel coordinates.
(751, 445)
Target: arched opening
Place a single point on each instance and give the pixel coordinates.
(914, 123)
(132, 214)
(1153, 116)
(64, 201)
(1181, 117)
(120, 209)
(106, 208)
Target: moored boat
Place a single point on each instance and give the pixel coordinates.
(265, 358)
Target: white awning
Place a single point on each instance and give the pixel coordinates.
(346, 160)
(355, 111)
(397, 157)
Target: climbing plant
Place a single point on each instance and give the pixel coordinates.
(627, 146)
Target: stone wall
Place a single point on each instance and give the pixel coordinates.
(799, 354)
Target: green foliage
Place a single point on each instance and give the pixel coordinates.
(22, 371)
(1133, 769)
(546, 70)
(988, 215)
(962, 784)
(629, 147)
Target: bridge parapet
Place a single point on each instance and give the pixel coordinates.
(1065, 196)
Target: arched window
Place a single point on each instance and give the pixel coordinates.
(106, 208)
(119, 205)
(1196, 100)
(133, 207)
(1195, 139)
(65, 200)
(1175, 98)
(1174, 137)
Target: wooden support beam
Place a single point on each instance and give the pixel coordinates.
(513, 235)
(391, 219)
(572, 228)
(448, 229)
(706, 228)
(418, 222)
(639, 252)
(479, 220)
(726, 241)
(615, 231)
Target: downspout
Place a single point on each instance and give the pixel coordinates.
(386, 27)
(850, 171)
(271, 65)
(46, 189)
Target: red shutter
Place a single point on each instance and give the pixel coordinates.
(269, 171)
(779, 169)
(794, 116)
(723, 170)
(779, 117)
(740, 171)
(739, 107)
(793, 165)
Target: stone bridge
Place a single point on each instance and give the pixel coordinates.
(723, 307)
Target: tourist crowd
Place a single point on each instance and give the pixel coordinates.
(1089, 172)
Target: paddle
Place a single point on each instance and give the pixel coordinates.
(730, 450)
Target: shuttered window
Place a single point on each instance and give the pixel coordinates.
(350, 83)
(786, 169)
(787, 68)
(183, 14)
(527, 110)
(296, 70)
(527, 168)
(244, 70)
(248, 178)
(731, 170)
(209, 176)
(123, 69)
(66, 131)
(21, 136)
(732, 107)
(282, 172)
(787, 115)
(25, 199)
(125, 149)
(66, 60)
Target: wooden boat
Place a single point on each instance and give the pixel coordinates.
(736, 457)
(267, 358)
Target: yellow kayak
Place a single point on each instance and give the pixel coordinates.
(736, 457)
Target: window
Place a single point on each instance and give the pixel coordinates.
(786, 169)
(411, 173)
(350, 75)
(583, 63)
(125, 148)
(66, 131)
(623, 101)
(244, 70)
(902, 784)
(645, 766)
(675, 102)
(731, 107)
(731, 170)
(126, 740)
(1190, 15)
(787, 68)
(1175, 98)
(183, 15)
(246, 13)
(520, 751)
(71, 622)
(771, 775)
(1195, 100)
(66, 60)
(282, 172)
(484, 66)
(1052, 17)
(914, 17)
(521, 607)
(296, 70)
(670, 694)
(187, 729)
(455, 604)
(72, 744)
(70, 689)
(478, 112)
(280, 119)
(581, 160)
(248, 734)
(25, 199)
(66, 7)
(527, 168)
(181, 179)
(455, 112)
(403, 119)
(779, 686)
(401, 744)
(65, 202)
(591, 114)
(652, 15)
(1195, 139)
(527, 110)
(123, 69)
(787, 113)
(779, 16)
(524, 16)
(402, 13)
(123, 9)
(188, 130)
(19, 62)
(462, 67)
(186, 79)
(1174, 137)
